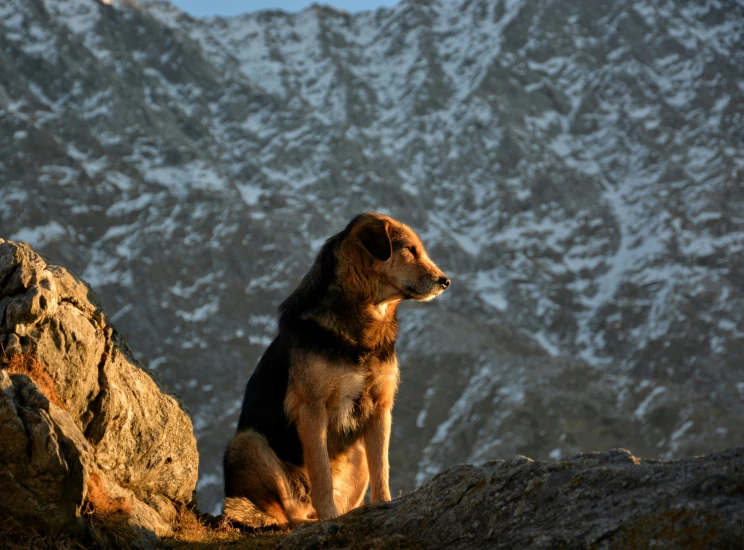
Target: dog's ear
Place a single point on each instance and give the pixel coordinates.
(374, 237)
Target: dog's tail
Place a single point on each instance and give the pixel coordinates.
(243, 511)
(277, 491)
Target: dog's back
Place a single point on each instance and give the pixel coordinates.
(263, 402)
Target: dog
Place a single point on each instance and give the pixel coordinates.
(314, 429)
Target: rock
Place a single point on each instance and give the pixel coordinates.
(601, 500)
(118, 446)
(43, 460)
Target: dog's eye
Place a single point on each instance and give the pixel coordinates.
(412, 250)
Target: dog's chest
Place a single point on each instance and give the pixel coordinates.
(350, 403)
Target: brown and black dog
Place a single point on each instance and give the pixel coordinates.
(315, 424)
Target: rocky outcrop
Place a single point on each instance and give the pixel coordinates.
(602, 500)
(87, 434)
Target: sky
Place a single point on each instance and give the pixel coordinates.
(233, 7)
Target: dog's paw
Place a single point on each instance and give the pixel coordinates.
(328, 512)
(296, 522)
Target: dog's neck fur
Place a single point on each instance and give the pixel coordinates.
(360, 321)
(342, 299)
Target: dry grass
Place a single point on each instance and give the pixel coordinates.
(26, 363)
(101, 503)
(207, 533)
(108, 517)
(17, 536)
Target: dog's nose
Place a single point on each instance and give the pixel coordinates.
(444, 281)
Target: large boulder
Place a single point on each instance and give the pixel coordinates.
(115, 443)
(601, 500)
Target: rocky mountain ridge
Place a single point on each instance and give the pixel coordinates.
(575, 168)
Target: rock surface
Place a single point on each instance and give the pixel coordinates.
(601, 500)
(116, 427)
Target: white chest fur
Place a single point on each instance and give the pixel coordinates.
(341, 406)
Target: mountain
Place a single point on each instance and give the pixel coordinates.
(576, 169)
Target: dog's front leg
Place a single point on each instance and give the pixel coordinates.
(377, 442)
(312, 427)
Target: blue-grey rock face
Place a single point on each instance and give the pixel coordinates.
(575, 167)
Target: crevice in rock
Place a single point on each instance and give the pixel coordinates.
(91, 429)
(5, 280)
(22, 405)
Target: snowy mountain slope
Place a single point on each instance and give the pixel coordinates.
(629, 113)
(577, 169)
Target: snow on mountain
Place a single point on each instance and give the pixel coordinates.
(576, 168)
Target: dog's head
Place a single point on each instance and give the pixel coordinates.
(392, 254)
